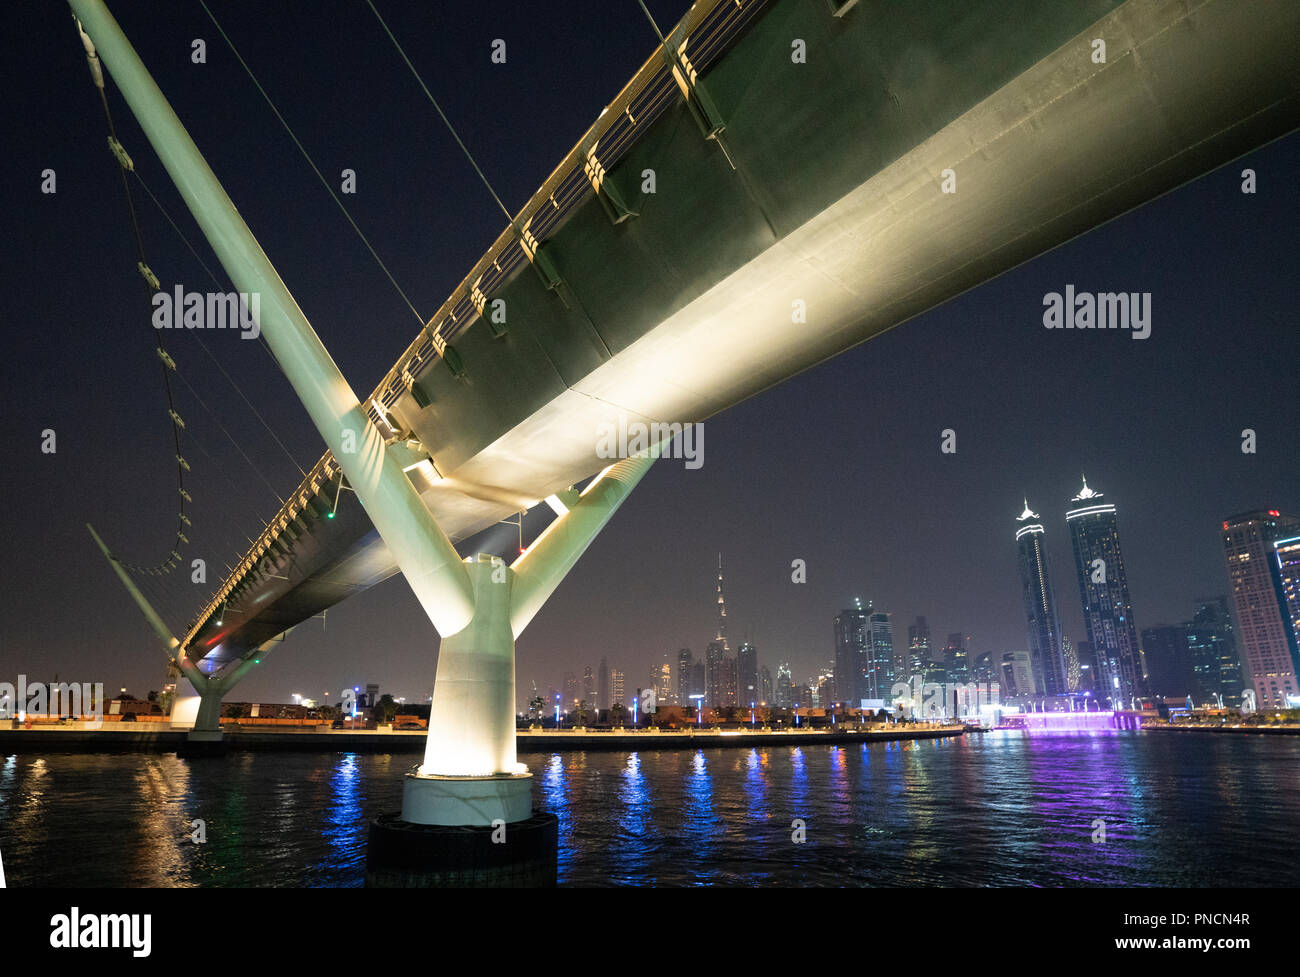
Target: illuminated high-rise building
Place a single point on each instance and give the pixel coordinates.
(1212, 647)
(880, 673)
(783, 693)
(918, 647)
(699, 684)
(1038, 596)
(747, 675)
(719, 684)
(661, 680)
(685, 662)
(1266, 639)
(1103, 590)
(615, 687)
(1070, 656)
(1018, 674)
(852, 639)
(1287, 553)
(713, 677)
(956, 659)
(729, 685)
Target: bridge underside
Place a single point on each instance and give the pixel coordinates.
(835, 202)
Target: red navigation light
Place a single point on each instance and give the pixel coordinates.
(1225, 525)
(1274, 512)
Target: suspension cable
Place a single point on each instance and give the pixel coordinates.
(124, 164)
(325, 183)
(204, 346)
(438, 108)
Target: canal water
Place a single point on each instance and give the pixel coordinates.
(999, 808)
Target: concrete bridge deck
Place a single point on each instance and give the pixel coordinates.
(835, 203)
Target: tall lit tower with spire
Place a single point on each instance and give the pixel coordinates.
(1103, 588)
(1045, 653)
(722, 612)
(717, 652)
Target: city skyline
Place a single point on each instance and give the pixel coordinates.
(856, 645)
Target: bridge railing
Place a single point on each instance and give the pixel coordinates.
(702, 36)
(704, 32)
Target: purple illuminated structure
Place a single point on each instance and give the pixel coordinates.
(1072, 722)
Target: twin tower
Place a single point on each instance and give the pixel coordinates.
(1109, 666)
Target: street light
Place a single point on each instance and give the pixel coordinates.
(699, 709)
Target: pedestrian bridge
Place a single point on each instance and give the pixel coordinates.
(779, 182)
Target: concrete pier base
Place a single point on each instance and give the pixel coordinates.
(522, 854)
(473, 801)
(202, 743)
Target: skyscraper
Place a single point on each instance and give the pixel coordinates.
(570, 691)
(1212, 647)
(1103, 590)
(717, 654)
(747, 674)
(984, 668)
(699, 683)
(1039, 598)
(783, 694)
(721, 637)
(852, 636)
(764, 685)
(956, 659)
(1073, 676)
(879, 673)
(1267, 641)
(588, 687)
(685, 662)
(661, 680)
(1018, 673)
(730, 683)
(1287, 552)
(713, 678)
(1169, 661)
(918, 647)
(1088, 675)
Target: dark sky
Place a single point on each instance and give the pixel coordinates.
(839, 466)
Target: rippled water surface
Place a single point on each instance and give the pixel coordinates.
(992, 809)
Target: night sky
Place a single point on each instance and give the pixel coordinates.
(840, 466)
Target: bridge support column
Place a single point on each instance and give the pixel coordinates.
(467, 818)
(206, 737)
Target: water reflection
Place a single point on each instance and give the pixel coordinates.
(345, 827)
(636, 842)
(990, 809)
(756, 785)
(699, 826)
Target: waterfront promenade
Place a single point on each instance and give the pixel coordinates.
(115, 738)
